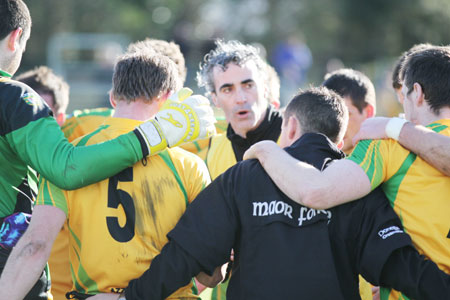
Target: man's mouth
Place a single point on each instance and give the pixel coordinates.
(242, 113)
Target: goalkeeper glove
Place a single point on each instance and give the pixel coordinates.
(183, 118)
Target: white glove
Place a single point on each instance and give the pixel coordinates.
(183, 118)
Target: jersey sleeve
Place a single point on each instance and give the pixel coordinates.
(371, 155)
(38, 140)
(380, 233)
(50, 194)
(42, 145)
(208, 228)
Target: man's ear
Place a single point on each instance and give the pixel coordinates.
(60, 118)
(293, 128)
(419, 96)
(369, 111)
(112, 101)
(214, 99)
(14, 38)
(340, 145)
(162, 98)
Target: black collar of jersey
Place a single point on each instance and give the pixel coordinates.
(269, 129)
(313, 148)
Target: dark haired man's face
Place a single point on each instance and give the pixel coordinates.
(240, 93)
(355, 119)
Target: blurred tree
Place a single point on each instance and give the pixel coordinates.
(351, 32)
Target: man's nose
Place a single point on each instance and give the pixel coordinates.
(241, 96)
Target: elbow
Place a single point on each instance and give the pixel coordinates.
(315, 198)
(68, 184)
(36, 249)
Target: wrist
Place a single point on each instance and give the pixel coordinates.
(153, 136)
(394, 127)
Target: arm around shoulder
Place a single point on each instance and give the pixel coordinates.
(429, 145)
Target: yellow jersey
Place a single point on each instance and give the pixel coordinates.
(117, 226)
(417, 191)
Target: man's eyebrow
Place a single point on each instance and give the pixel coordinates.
(225, 85)
(247, 81)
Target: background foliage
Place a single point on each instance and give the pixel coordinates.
(366, 35)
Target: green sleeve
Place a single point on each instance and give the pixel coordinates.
(42, 145)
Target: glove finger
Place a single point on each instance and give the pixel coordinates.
(181, 94)
(207, 131)
(203, 111)
(196, 100)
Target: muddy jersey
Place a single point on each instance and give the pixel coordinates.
(127, 215)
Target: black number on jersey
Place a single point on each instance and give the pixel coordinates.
(116, 197)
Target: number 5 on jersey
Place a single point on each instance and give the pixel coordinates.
(115, 197)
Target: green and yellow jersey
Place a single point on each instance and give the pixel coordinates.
(417, 192)
(82, 122)
(117, 226)
(79, 123)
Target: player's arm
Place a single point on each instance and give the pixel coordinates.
(341, 182)
(213, 280)
(418, 278)
(429, 145)
(28, 258)
(386, 256)
(38, 140)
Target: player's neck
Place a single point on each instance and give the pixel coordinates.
(430, 117)
(136, 110)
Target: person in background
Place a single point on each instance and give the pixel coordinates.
(359, 96)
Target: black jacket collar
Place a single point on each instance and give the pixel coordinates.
(269, 129)
(315, 149)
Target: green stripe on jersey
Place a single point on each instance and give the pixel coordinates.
(52, 195)
(366, 154)
(86, 281)
(436, 127)
(86, 138)
(391, 186)
(166, 157)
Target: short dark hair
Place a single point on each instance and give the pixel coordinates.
(396, 79)
(431, 69)
(143, 74)
(353, 84)
(14, 14)
(44, 81)
(170, 49)
(319, 110)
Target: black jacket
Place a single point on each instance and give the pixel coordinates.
(287, 251)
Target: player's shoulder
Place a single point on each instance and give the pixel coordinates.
(179, 154)
(92, 112)
(12, 90)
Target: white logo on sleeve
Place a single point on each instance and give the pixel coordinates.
(387, 232)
